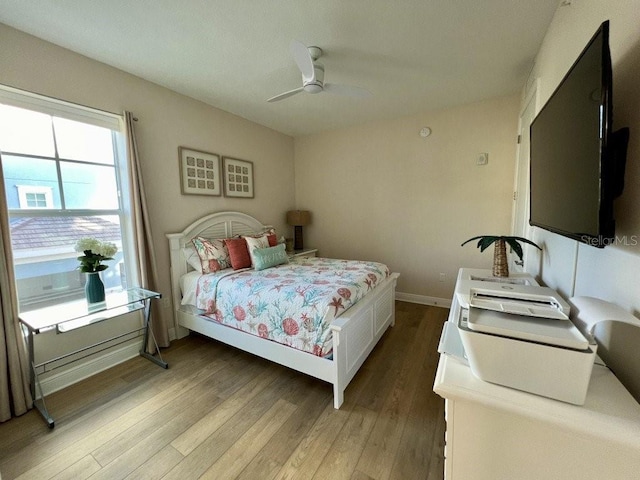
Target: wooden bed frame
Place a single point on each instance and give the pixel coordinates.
(355, 333)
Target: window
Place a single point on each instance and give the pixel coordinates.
(64, 172)
(31, 196)
(35, 200)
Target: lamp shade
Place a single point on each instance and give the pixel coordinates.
(298, 218)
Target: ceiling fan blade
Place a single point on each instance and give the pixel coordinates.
(346, 90)
(284, 95)
(303, 59)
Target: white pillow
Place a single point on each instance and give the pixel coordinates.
(188, 286)
(192, 258)
(256, 242)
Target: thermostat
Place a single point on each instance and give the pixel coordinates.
(483, 159)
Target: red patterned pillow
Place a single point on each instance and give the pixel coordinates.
(238, 253)
(271, 236)
(212, 253)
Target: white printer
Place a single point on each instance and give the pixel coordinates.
(518, 334)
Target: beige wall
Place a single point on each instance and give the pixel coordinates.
(382, 192)
(578, 269)
(166, 120)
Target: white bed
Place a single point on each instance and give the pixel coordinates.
(355, 332)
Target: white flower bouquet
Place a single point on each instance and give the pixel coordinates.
(95, 252)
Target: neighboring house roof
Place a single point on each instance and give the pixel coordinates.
(48, 232)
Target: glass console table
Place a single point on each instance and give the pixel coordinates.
(77, 314)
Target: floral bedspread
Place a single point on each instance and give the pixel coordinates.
(293, 304)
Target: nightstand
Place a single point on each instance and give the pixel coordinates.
(304, 253)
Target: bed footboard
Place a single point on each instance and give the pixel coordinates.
(355, 334)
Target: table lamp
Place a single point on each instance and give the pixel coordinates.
(298, 219)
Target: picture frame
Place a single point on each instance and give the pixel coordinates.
(199, 172)
(238, 177)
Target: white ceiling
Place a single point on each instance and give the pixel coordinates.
(413, 55)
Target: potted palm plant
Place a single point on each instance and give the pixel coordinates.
(500, 265)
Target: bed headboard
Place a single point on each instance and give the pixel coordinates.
(215, 225)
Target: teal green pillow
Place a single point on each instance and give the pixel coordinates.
(270, 257)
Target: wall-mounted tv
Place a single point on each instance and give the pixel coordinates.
(576, 159)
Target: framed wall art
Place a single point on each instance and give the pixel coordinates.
(238, 177)
(199, 172)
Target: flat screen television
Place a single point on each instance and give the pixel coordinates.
(576, 159)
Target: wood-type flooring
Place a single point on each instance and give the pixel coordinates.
(221, 413)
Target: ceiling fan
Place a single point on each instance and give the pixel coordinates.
(313, 75)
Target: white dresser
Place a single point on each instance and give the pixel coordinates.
(495, 433)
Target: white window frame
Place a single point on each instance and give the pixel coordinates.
(30, 101)
(24, 190)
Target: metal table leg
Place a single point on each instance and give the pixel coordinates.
(149, 332)
(34, 383)
(42, 408)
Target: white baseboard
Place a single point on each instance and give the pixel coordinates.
(423, 300)
(182, 332)
(88, 367)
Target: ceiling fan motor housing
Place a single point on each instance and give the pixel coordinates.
(314, 52)
(315, 86)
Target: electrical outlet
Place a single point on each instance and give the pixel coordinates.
(442, 277)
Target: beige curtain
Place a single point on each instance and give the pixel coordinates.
(147, 269)
(15, 396)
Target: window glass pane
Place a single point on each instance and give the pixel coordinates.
(23, 171)
(36, 200)
(79, 141)
(25, 131)
(45, 259)
(89, 186)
